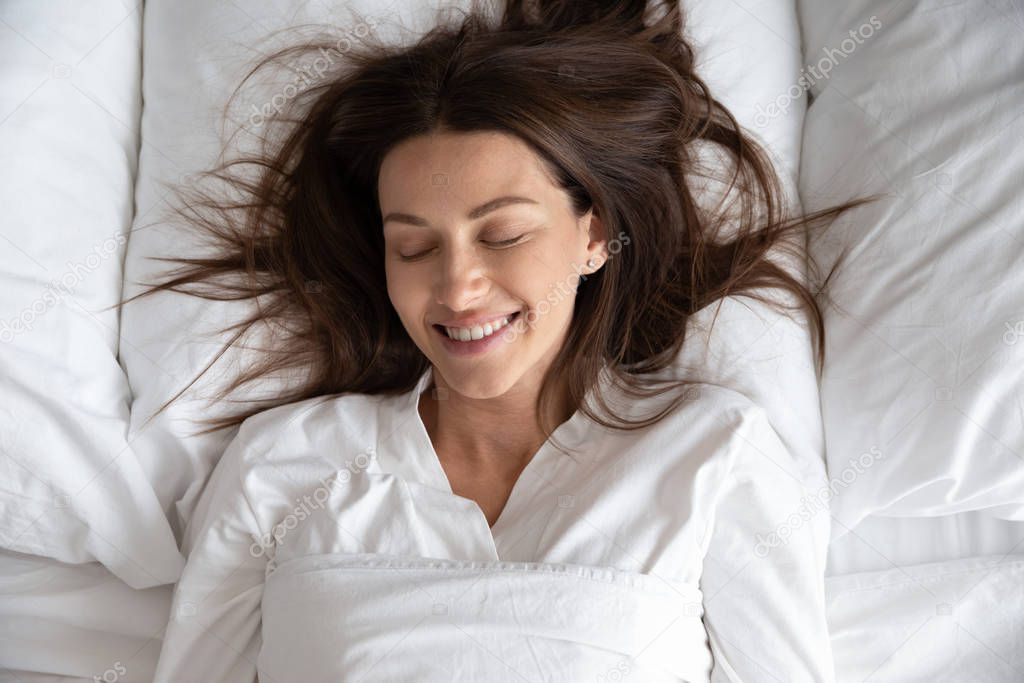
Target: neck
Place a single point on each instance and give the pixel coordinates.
(481, 430)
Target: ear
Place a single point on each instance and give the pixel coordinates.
(597, 250)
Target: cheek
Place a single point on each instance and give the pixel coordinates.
(545, 283)
(551, 266)
(404, 291)
(522, 277)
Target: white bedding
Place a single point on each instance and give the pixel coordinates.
(70, 486)
(448, 621)
(881, 543)
(71, 490)
(61, 620)
(922, 100)
(947, 621)
(926, 339)
(194, 54)
(69, 123)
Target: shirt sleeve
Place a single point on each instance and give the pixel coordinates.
(213, 633)
(763, 574)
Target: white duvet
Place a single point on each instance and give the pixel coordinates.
(329, 546)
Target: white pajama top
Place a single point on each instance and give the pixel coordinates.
(328, 546)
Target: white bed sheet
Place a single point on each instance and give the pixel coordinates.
(955, 621)
(887, 625)
(880, 543)
(62, 622)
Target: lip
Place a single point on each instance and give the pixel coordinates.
(474, 347)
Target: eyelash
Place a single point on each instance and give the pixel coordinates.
(499, 244)
(505, 243)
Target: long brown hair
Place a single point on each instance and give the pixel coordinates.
(608, 100)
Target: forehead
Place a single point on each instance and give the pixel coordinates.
(460, 171)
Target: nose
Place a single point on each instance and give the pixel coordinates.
(461, 279)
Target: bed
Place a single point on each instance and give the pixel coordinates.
(913, 435)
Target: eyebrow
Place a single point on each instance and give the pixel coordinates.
(478, 212)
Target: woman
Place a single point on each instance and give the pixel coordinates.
(483, 250)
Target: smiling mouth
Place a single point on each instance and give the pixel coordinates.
(477, 332)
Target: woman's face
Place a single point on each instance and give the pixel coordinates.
(475, 231)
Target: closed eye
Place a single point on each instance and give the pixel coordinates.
(505, 243)
(495, 243)
(413, 257)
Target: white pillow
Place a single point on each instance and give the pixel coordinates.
(922, 389)
(749, 53)
(196, 52)
(70, 487)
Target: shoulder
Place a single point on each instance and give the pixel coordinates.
(283, 452)
(706, 405)
(702, 427)
(308, 424)
(724, 429)
(727, 402)
(740, 413)
(755, 452)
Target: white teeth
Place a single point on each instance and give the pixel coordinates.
(477, 331)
